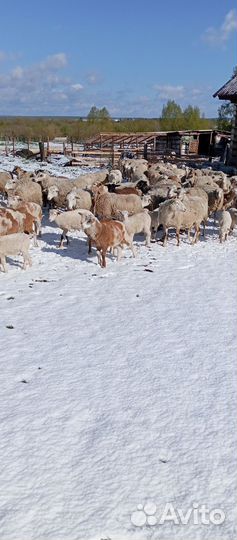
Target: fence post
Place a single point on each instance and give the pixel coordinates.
(145, 151)
(6, 148)
(41, 149)
(113, 156)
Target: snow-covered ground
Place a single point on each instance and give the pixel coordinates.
(55, 166)
(118, 389)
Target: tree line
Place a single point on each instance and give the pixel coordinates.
(173, 118)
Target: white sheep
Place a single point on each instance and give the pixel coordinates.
(26, 189)
(14, 244)
(79, 198)
(115, 177)
(225, 221)
(233, 213)
(109, 205)
(138, 223)
(67, 221)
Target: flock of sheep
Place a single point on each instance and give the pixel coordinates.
(111, 211)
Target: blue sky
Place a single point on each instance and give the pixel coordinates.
(61, 57)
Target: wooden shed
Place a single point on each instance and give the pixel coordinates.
(228, 92)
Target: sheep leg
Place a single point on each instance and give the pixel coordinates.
(35, 239)
(204, 228)
(165, 237)
(3, 263)
(26, 259)
(133, 249)
(148, 238)
(89, 246)
(103, 254)
(63, 237)
(119, 253)
(177, 236)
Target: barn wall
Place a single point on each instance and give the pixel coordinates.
(233, 144)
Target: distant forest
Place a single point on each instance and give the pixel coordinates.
(98, 121)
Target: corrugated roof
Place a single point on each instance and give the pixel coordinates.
(228, 90)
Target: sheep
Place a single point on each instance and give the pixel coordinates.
(115, 177)
(133, 168)
(108, 205)
(26, 189)
(179, 214)
(105, 234)
(225, 222)
(67, 221)
(11, 221)
(86, 181)
(14, 244)
(58, 193)
(138, 223)
(21, 173)
(214, 192)
(5, 177)
(58, 190)
(33, 209)
(230, 199)
(79, 198)
(123, 190)
(233, 213)
(190, 197)
(20, 220)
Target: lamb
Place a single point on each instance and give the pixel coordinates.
(225, 222)
(11, 221)
(138, 223)
(108, 205)
(67, 221)
(105, 234)
(20, 220)
(79, 198)
(14, 244)
(33, 209)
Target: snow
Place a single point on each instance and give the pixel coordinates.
(129, 399)
(56, 166)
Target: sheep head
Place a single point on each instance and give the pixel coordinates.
(71, 199)
(53, 192)
(14, 200)
(53, 214)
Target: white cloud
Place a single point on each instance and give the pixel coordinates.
(77, 86)
(2, 56)
(17, 72)
(93, 77)
(167, 91)
(55, 61)
(219, 36)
